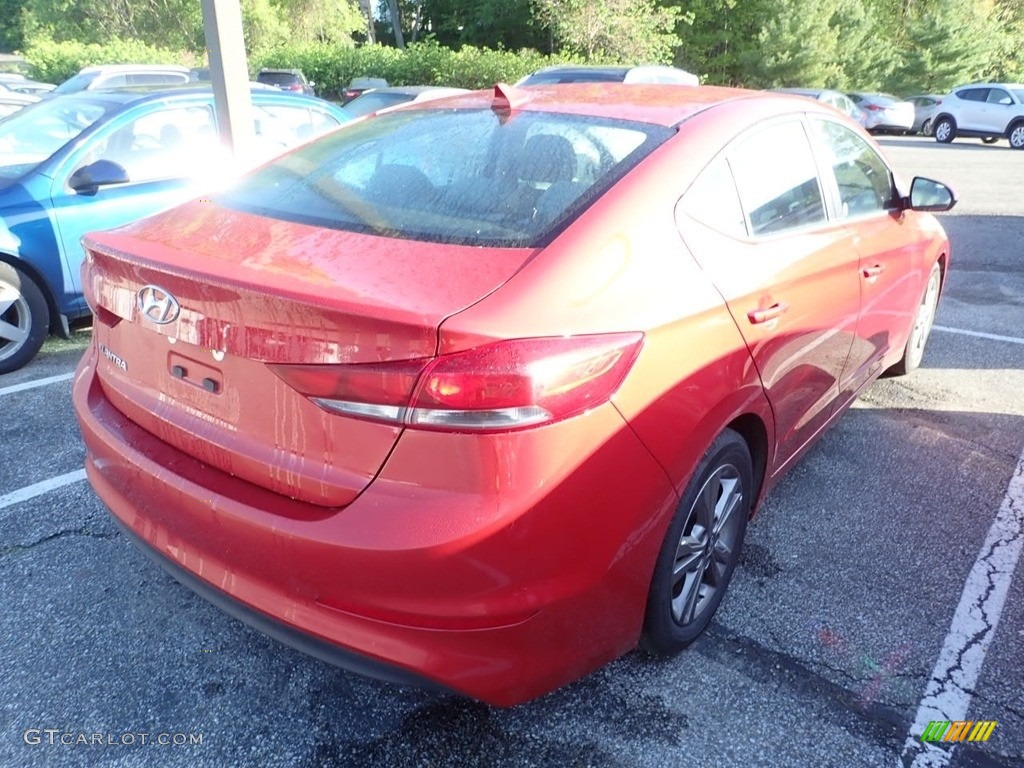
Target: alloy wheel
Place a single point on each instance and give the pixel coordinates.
(15, 320)
(925, 317)
(708, 544)
(1017, 136)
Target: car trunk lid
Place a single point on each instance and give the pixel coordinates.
(250, 292)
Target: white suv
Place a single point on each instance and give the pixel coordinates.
(124, 76)
(986, 111)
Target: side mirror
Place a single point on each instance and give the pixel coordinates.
(929, 195)
(89, 178)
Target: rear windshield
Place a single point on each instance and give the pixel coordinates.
(574, 76)
(77, 83)
(473, 177)
(371, 101)
(277, 78)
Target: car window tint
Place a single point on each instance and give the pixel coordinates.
(278, 78)
(169, 143)
(712, 200)
(371, 101)
(79, 82)
(459, 176)
(35, 133)
(282, 126)
(112, 81)
(973, 94)
(777, 179)
(862, 177)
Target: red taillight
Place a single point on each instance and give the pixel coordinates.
(500, 386)
(873, 107)
(295, 87)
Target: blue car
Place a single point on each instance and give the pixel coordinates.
(96, 160)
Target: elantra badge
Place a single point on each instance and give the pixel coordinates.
(158, 305)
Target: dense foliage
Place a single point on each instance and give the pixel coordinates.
(899, 45)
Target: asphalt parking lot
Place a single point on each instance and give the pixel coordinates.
(876, 593)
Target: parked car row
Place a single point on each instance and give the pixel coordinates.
(986, 111)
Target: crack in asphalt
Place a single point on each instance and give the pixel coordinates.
(14, 549)
(885, 726)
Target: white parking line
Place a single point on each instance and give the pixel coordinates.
(951, 687)
(978, 334)
(38, 489)
(36, 383)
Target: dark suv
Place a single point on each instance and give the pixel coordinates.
(286, 80)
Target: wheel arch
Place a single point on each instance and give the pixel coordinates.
(944, 115)
(755, 433)
(44, 286)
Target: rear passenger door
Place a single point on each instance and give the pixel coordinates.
(971, 109)
(756, 221)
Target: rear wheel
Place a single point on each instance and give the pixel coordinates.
(926, 127)
(24, 318)
(701, 548)
(945, 130)
(1016, 136)
(922, 328)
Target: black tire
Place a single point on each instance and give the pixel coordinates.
(944, 130)
(706, 533)
(990, 140)
(24, 318)
(926, 127)
(1016, 135)
(924, 318)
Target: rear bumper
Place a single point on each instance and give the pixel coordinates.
(522, 567)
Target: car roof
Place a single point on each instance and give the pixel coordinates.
(588, 68)
(135, 68)
(274, 71)
(659, 104)
(142, 94)
(415, 90)
(989, 85)
(13, 97)
(804, 91)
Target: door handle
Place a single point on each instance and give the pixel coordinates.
(873, 271)
(758, 316)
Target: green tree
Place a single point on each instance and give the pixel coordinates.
(795, 47)
(950, 42)
(719, 37)
(864, 55)
(507, 24)
(11, 37)
(633, 31)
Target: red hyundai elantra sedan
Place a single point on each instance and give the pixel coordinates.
(481, 394)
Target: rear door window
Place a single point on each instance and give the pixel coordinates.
(777, 179)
